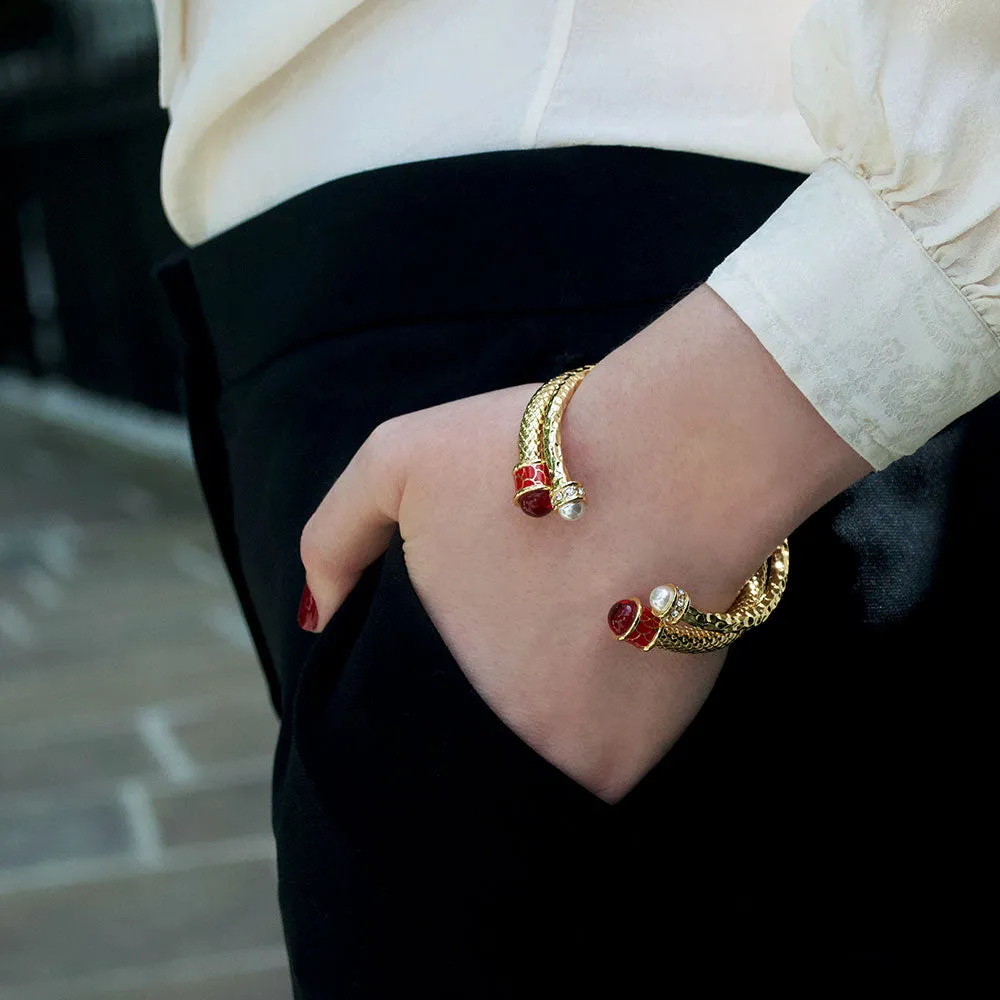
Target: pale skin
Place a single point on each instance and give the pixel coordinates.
(699, 455)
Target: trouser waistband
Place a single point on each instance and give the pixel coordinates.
(472, 235)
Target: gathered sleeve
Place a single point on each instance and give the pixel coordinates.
(876, 285)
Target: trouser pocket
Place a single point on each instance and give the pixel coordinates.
(448, 839)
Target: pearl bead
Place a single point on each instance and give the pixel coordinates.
(571, 511)
(660, 598)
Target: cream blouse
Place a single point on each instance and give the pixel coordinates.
(876, 286)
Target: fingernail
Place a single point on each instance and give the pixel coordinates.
(308, 613)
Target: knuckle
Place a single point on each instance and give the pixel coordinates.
(381, 458)
(383, 440)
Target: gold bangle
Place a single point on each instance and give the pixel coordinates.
(672, 622)
(541, 484)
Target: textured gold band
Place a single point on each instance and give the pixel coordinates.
(672, 622)
(568, 496)
(551, 429)
(529, 439)
(700, 631)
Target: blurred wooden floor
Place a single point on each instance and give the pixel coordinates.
(136, 859)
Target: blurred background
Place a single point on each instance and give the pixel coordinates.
(136, 858)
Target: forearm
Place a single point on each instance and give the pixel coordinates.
(722, 445)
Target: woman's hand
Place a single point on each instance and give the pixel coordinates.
(686, 439)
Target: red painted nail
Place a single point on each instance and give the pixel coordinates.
(308, 613)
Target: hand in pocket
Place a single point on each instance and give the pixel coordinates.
(679, 436)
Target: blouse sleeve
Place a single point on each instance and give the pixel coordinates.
(876, 285)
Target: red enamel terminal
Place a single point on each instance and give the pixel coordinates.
(644, 633)
(535, 503)
(532, 474)
(630, 621)
(531, 489)
(622, 617)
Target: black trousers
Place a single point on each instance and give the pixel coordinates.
(814, 825)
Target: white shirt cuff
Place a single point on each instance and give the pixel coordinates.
(869, 328)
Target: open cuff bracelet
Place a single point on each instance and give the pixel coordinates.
(542, 484)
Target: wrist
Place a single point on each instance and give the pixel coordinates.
(708, 438)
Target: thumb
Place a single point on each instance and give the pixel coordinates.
(352, 525)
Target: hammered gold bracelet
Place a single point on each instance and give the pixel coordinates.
(542, 484)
